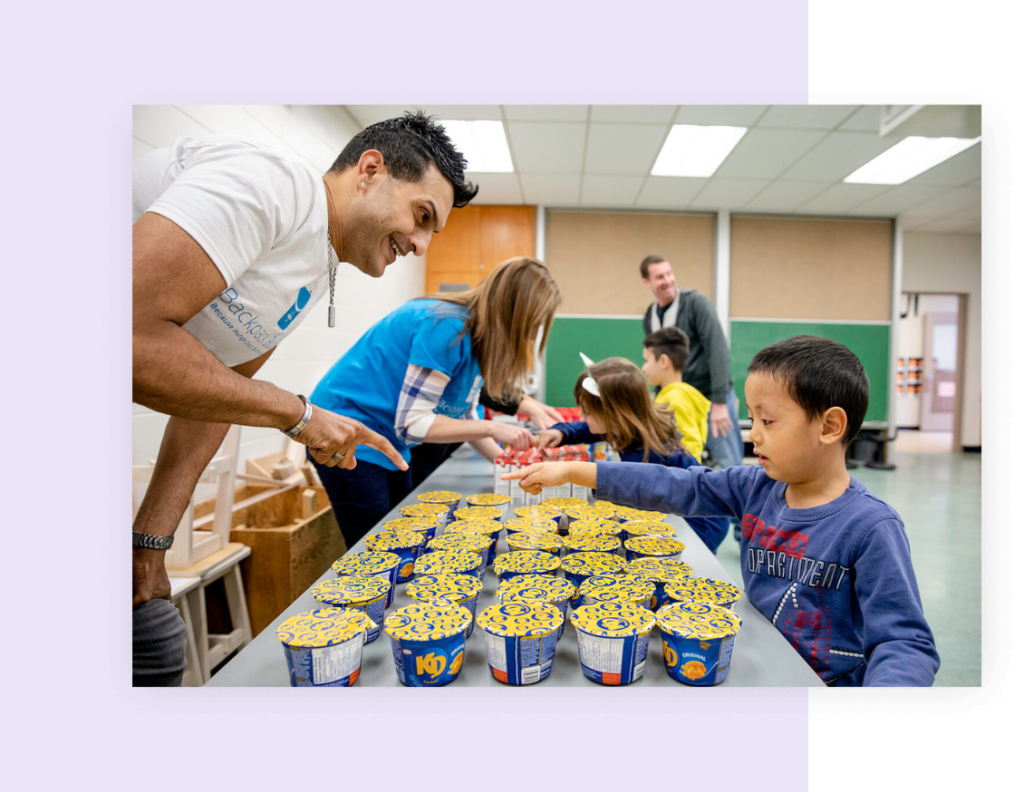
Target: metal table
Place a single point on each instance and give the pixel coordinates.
(762, 656)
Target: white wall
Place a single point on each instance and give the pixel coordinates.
(952, 263)
(317, 134)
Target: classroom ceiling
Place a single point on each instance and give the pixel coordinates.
(792, 160)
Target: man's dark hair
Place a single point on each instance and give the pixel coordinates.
(818, 374)
(646, 263)
(409, 144)
(670, 341)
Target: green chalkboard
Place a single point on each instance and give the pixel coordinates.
(869, 342)
(595, 337)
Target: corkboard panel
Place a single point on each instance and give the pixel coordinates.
(805, 268)
(595, 257)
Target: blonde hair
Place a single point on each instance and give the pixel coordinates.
(505, 310)
(626, 408)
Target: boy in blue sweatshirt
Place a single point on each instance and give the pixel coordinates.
(823, 559)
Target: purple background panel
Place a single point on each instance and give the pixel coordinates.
(74, 72)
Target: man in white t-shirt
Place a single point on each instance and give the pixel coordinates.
(233, 243)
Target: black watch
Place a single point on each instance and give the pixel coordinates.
(151, 542)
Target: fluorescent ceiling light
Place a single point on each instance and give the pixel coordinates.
(482, 143)
(692, 150)
(908, 158)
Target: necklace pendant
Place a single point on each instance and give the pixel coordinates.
(330, 316)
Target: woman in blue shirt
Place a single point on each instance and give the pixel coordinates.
(415, 377)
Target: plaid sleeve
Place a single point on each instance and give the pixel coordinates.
(421, 392)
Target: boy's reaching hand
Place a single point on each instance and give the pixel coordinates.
(549, 438)
(536, 477)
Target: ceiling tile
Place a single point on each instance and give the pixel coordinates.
(547, 148)
(633, 114)
(496, 188)
(371, 114)
(669, 192)
(953, 200)
(837, 156)
(964, 168)
(727, 193)
(604, 190)
(551, 188)
(867, 119)
(840, 197)
(623, 148)
(546, 112)
(824, 117)
(766, 153)
(897, 199)
(719, 115)
(785, 196)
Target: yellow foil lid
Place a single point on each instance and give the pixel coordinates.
(590, 563)
(606, 509)
(637, 528)
(565, 503)
(427, 588)
(705, 590)
(598, 525)
(535, 540)
(665, 564)
(478, 513)
(344, 591)
(613, 619)
(457, 562)
(393, 540)
(546, 588)
(655, 546)
(478, 527)
(424, 510)
(628, 514)
(577, 543)
(365, 564)
(524, 561)
(472, 543)
(520, 619)
(540, 512)
(316, 629)
(586, 512)
(698, 620)
(526, 524)
(441, 496)
(418, 524)
(488, 499)
(427, 622)
(623, 588)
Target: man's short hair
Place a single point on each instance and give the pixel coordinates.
(646, 263)
(818, 374)
(670, 341)
(409, 145)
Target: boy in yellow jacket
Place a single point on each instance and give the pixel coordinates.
(666, 352)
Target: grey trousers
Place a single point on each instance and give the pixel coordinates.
(158, 645)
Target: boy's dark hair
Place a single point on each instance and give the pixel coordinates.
(818, 374)
(409, 144)
(646, 263)
(670, 341)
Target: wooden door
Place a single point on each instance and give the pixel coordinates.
(475, 240)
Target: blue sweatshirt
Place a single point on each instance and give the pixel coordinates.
(710, 530)
(836, 579)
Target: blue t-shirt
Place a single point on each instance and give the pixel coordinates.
(367, 382)
(836, 580)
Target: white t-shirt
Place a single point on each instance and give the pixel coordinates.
(261, 216)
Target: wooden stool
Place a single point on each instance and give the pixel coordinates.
(181, 587)
(211, 649)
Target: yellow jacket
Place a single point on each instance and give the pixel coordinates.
(691, 410)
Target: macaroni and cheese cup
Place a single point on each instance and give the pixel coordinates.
(697, 641)
(704, 591)
(577, 567)
(468, 542)
(606, 509)
(612, 639)
(562, 504)
(671, 572)
(449, 500)
(517, 524)
(525, 562)
(382, 565)
(629, 514)
(407, 545)
(538, 512)
(617, 588)
(635, 529)
(653, 547)
(575, 513)
(488, 528)
(598, 526)
(435, 512)
(456, 589)
(452, 562)
(545, 541)
(365, 594)
(591, 543)
(548, 589)
(492, 499)
(520, 639)
(324, 647)
(428, 642)
(477, 513)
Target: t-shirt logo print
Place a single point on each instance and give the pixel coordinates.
(300, 302)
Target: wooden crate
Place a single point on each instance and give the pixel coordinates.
(288, 552)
